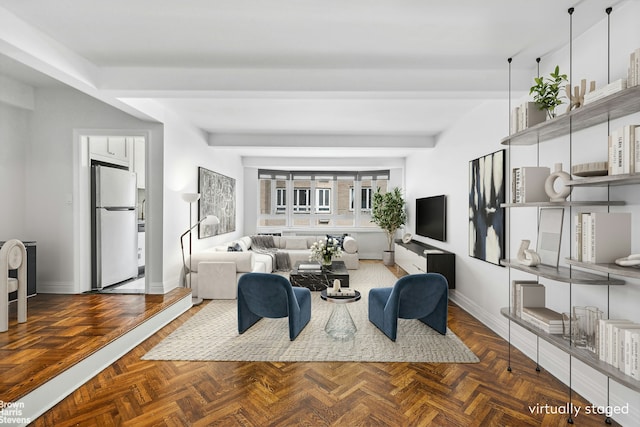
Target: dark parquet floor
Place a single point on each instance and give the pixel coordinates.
(135, 392)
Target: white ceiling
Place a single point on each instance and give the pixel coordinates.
(404, 69)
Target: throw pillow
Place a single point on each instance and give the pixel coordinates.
(339, 239)
(350, 245)
(234, 248)
(296, 243)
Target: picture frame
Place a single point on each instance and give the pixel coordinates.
(486, 216)
(217, 197)
(550, 236)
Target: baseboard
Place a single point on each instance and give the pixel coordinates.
(46, 396)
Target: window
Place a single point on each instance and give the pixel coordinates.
(281, 200)
(301, 200)
(323, 200)
(317, 199)
(365, 198)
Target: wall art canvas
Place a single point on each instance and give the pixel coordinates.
(217, 197)
(486, 217)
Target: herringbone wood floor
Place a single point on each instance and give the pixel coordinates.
(133, 392)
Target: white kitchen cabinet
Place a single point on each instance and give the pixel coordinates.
(110, 149)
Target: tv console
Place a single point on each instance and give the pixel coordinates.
(417, 258)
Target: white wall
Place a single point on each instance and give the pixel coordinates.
(482, 288)
(14, 126)
(49, 170)
(185, 150)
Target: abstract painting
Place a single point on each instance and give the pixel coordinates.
(486, 217)
(217, 197)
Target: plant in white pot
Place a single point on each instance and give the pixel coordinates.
(388, 212)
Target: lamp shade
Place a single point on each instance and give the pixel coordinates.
(190, 197)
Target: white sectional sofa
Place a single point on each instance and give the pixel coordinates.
(215, 271)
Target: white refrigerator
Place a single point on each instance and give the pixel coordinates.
(114, 225)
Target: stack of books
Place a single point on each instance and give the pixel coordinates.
(603, 92)
(619, 345)
(527, 115)
(528, 303)
(528, 184)
(624, 150)
(341, 293)
(602, 237)
(544, 318)
(309, 267)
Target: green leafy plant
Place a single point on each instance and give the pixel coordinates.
(387, 211)
(547, 91)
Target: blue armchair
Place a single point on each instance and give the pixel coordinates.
(270, 295)
(417, 296)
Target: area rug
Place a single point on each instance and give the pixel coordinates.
(212, 335)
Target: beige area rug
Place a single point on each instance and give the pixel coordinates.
(212, 335)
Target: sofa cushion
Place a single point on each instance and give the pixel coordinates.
(350, 245)
(264, 259)
(296, 243)
(244, 260)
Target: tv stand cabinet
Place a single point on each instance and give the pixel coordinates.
(413, 259)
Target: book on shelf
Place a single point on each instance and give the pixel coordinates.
(602, 237)
(617, 344)
(635, 356)
(526, 293)
(633, 74)
(624, 346)
(544, 318)
(635, 155)
(528, 184)
(623, 150)
(605, 332)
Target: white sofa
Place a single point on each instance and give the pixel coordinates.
(215, 271)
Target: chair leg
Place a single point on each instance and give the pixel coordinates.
(4, 303)
(22, 294)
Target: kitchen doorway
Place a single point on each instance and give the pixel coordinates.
(124, 151)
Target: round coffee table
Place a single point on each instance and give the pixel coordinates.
(340, 325)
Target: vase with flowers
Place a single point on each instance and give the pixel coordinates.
(325, 250)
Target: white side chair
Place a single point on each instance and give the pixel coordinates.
(13, 256)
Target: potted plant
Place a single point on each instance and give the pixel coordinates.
(387, 211)
(547, 91)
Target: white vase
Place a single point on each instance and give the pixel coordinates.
(549, 184)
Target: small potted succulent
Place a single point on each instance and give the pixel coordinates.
(546, 91)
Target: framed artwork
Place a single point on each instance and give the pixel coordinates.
(217, 197)
(549, 235)
(486, 217)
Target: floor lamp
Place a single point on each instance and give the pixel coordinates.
(208, 220)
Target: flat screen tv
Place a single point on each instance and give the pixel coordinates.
(431, 217)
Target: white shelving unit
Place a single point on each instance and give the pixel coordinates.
(619, 105)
